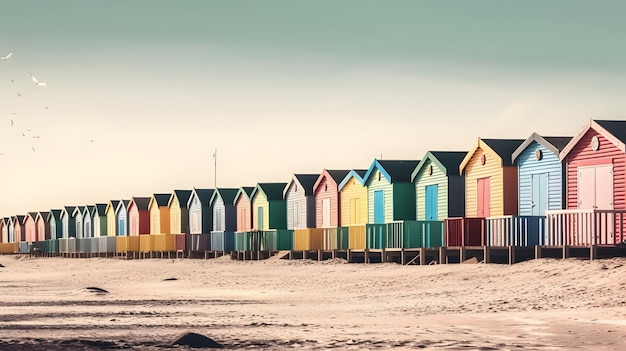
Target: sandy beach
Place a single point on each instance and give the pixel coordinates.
(97, 303)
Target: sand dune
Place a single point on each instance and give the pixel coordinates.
(60, 304)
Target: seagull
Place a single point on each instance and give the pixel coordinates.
(7, 56)
(23, 135)
(19, 94)
(36, 81)
(11, 123)
(36, 137)
(33, 148)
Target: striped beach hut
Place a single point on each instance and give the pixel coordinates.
(595, 161)
(78, 220)
(179, 212)
(300, 201)
(353, 198)
(243, 205)
(19, 231)
(224, 219)
(88, 221)
(490, 178)
(4, 230)
(68, 222)
(138, 216)
(10, 221)
(541, 175)
(439, 187)
(30, 227)
(269, 209)
(43, 227)
(100, 220)
(159, 213)
(200, 212)
(121, 218)
(327, 200)
(391, 194)
(55, 224)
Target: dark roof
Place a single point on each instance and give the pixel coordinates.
(182, 196)
(69, 209)
(558, 142)
(451, 160)
(101, 209)
(307, 181)
(33, 214)
(554, 144)
(338, 174)
(246, 191)
(399, 170)
(504, 148)
(360, 172)
(44, 214)
(162, 199)
(114, 203)
(273, 191)
(204, 195)
(142, 203)
(617, 128)
(20, 219)
(227, 194)
(55, 213)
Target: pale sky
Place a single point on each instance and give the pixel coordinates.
(283, 87)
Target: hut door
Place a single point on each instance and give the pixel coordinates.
(354, 211)
(539, 202)
(122, 230)
(379, 207)
(483, 198)
(260, 218)
(595, 187)
(431, 202)
(326, 212)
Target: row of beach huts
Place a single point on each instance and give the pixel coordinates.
(503, 195)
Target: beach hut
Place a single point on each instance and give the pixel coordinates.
(391, 194)
(200, 220)
(11, 229)
(224, 219)
(353, 198)
(100, 220)
(78, 220)
(68, 222)
(42, 225)
(327, 200)
(121, 218)
(159, 213)
(541, 175)
(138, 216)
(88, 221)
(439, 187)
(55, 224)
(4, 229)
(490, 178)
(243, 205)
(200, 213)
(179, 212)
(20, 232)
(111, 218)
(268, 206)
(300, 201)
(30, 227)
(595, 161)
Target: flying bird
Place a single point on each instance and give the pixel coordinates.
(19, 94)
(7, 56)
(11, 123)
(37, 82)
(23, 135)
(33, 148)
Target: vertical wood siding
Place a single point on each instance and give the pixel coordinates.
(133, 220)
(111, 222)
(122, 222)
(327, 189)
(43, 230)
(96, 226)
(195, 215)
(475, 170)
(244, 214)
(175, 220)
(259, 200)
(87, 227)
(296, 199)
(5, 232)
(219, 214)
(353, 190)
(30, 229)
(374, 184)
(78, 222)
(528, 165)
(582, 153)
(155, 218)
(164, 217)
(422, 180)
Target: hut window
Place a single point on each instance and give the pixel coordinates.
(483, 159)
(325, 187)
(595, 143)
(378, 175)
(295, 188)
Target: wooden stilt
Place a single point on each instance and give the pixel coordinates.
(511, 254)
(537, 251)
(593, 252)
(443, 258)
(487, 254)
(422, 253)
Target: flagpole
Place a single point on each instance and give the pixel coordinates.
(215, 168)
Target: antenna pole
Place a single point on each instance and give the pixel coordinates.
(215, 168)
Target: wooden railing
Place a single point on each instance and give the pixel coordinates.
(585, 227)
(515, 231)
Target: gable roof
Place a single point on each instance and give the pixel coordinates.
(20, 219)
(503, 148)
(113, 204)
(447, 161)
(554, 144)
(78, 210)
(56, 214)
(272, 191)
(245, 191)
(32, 215)
(204, 195)
(227, 195)
(122, 204)
(141, 203)
(336, 175)
(614, 131)
(42, 214)
(69, 210)
(181, 195)
(100, 209)
(357, 174)
(161, 199)
(306, 181)
(393, 170)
